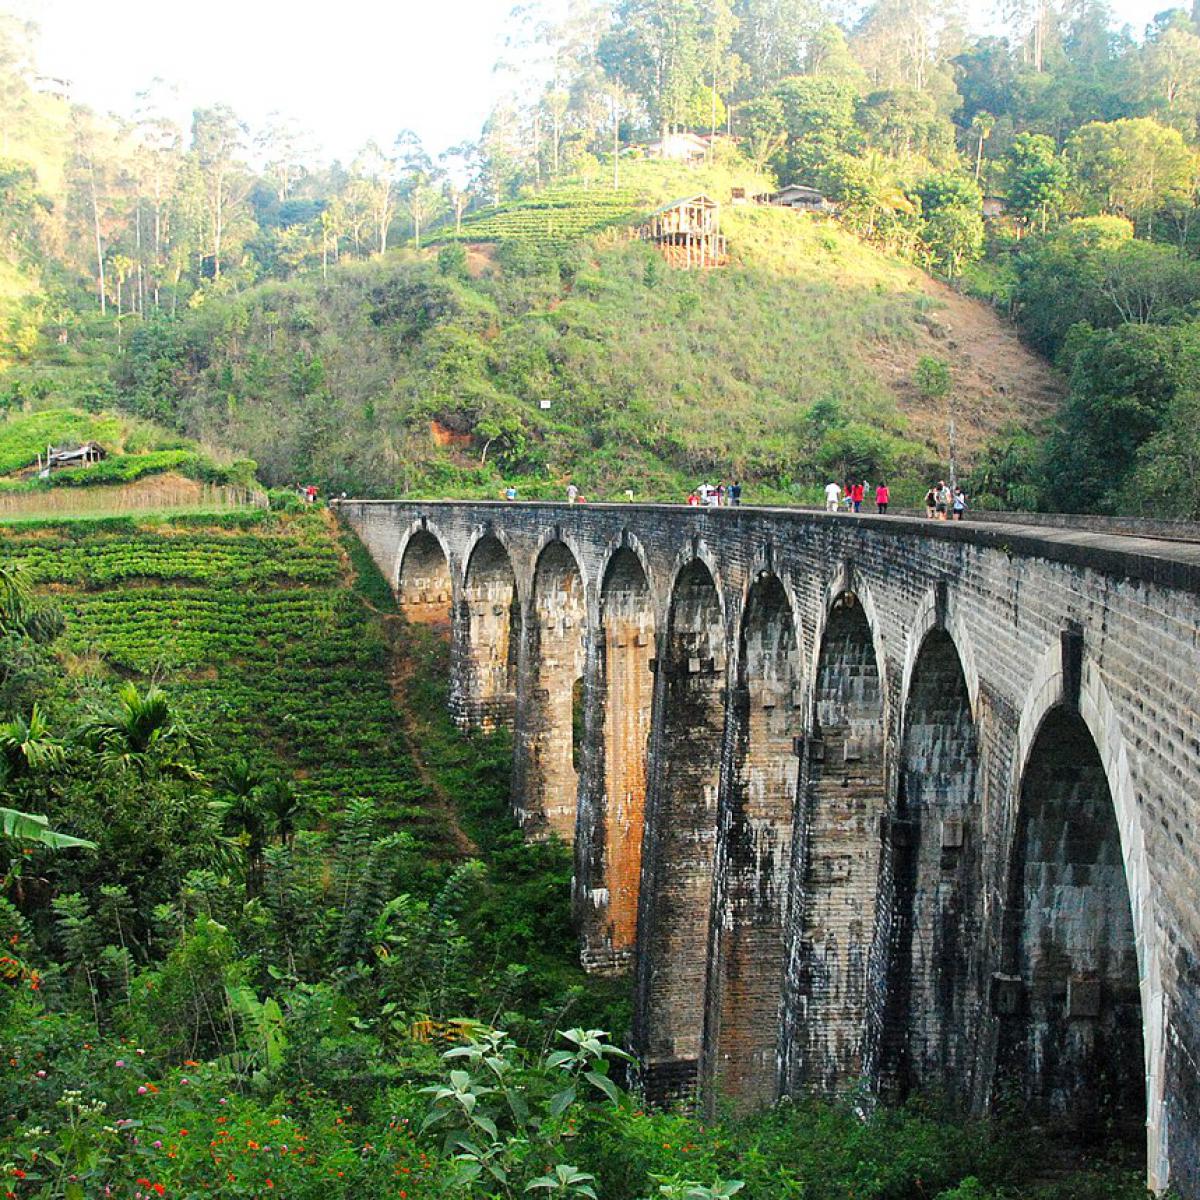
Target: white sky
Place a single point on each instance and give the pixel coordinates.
(347, 70)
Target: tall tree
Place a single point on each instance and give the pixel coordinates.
(377, 170)
(655, 49)
(217, 142)
(1037, 179)
(1168, 79)
(1132, 167)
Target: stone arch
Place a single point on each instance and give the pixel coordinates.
(936, 867)
(844, 802)
(626, 694)
(934, 614)
(755, 854)
(847, 581)
(489, 630)
(1049, 691)
(423, 583)
(674, 918)
(1070, 1033)
(546, 776)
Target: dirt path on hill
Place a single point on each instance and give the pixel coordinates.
(997, 379)
(400, 673)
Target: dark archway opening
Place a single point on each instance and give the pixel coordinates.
(1070, 1050)
(845, 799)
(935, 839)
(688, 736)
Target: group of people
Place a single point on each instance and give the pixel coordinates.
(945, 502)
(853, 496)
(709, 496)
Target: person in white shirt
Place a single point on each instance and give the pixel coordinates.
(833, 493)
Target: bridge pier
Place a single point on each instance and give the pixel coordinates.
(615, 802)
(685, 766)
(754, 852)
(875, 800)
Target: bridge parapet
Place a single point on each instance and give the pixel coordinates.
(854, 797)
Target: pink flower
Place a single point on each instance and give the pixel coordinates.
(185, 1079)
(158, 1145)
(142, 1090)
(41, 1074)
(120, 1062)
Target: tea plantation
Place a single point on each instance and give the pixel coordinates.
(249, 621)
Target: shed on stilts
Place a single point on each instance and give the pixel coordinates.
(687, 233)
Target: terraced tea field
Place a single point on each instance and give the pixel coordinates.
(249, 624)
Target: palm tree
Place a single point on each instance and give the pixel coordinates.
(982, 125)
(244, 816)
(27, 746)
(21, 612)
(283, 807)
(143, 735)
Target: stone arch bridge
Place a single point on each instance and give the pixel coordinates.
(854, 799)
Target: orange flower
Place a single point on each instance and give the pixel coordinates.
(160, 1188)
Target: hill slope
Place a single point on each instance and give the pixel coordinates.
(456, 370)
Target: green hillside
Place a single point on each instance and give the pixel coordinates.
(456, 371)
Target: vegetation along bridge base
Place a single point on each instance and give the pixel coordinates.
(854, 800)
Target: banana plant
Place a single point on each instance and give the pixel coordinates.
(33, 827)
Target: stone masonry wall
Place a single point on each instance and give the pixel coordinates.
(1039, 619)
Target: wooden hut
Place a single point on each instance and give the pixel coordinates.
(801, 197)
(687, 232)
(75, 456)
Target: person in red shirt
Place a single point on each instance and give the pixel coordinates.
(882, 496)
(857, 495)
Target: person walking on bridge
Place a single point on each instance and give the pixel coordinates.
(735, 493)
(833, 494)
(857, 492)
(572, 493)
(882, 497)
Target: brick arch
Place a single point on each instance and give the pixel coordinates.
(844, 801)
(848, 579)
(567, 539)
(488, 617)
(674, 913)
(755, 847)
(554, 628)
(624, 693)
(424, 585)
(631, 542)
(925, 618)
(421, 524)
(1048, 692)
(936, 875)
